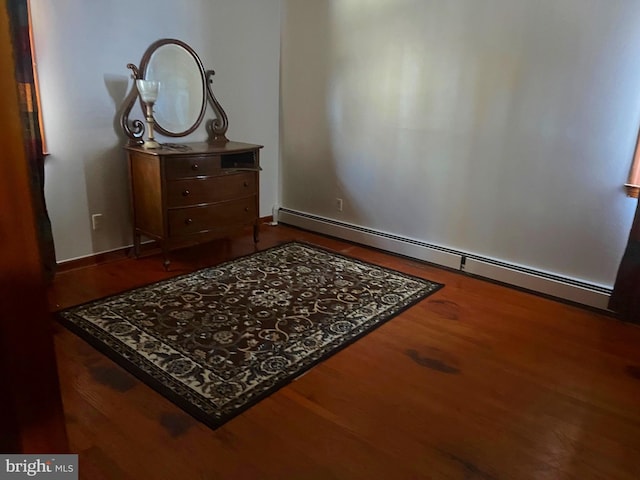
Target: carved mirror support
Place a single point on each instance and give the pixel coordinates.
(185, 90)
(216, 127)
(134, 129)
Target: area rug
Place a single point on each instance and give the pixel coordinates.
(218, 340)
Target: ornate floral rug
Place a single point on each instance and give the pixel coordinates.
(218, 340)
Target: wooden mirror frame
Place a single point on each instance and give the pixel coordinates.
(150, 59)
(134, 129)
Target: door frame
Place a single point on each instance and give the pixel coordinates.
(31, 412)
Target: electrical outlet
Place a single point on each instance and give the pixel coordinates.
(96, 221)
(339, 204)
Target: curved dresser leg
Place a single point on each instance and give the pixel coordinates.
(256, 232)
(136, 244)
(165, 255)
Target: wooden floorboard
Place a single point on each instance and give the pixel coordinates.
(478, 381)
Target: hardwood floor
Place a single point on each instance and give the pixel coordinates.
(478, 381)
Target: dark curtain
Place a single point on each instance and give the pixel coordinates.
(18, 11)
(626, 292)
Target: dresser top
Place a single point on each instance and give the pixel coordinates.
(195, 148)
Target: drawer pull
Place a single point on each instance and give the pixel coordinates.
(246, 209)
(194, 167)
(188, 221)
(246, 184)
(186, 193)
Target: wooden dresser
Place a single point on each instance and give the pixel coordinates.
(193, 192)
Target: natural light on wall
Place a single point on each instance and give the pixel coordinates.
(488, 127)
(431, 79)
(399, 86)
(390, 84)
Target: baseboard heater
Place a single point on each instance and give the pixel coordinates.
(534, 280)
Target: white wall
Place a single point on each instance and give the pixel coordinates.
(83, 48)
(502, 128)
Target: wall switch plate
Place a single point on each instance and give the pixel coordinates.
(96, 221)
(339, 204)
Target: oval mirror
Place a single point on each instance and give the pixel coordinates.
(182, 100)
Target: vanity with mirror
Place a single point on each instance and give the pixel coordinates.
(185, 192)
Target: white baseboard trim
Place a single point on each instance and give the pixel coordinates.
(559, 287)
(529, 279)
(371, 238)
(62, 263)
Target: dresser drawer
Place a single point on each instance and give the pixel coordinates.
(191, 166)
(195, 191)
(185, 221)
